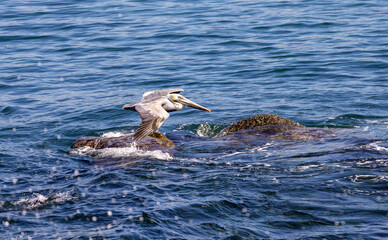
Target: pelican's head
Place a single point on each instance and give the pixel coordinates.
(184, 101)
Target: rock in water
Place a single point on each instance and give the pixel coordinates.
(270, 125)
(258, 121)
(155, 141)
(263, 125)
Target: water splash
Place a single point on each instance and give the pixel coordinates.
(207, 130)
(127, 152)
(376, 146)
(203, 129)
(37, 200)
(114, 134)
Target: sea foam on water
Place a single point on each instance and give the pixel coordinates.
(129, 152)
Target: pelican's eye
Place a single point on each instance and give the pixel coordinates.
(173, 96)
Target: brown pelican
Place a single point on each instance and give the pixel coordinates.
(154, 109)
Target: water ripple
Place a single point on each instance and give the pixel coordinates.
(69, 66)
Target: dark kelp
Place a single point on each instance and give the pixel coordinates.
(261, 120)
(270, 125)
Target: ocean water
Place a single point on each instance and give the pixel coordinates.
(67, 68)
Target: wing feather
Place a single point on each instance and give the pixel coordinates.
(152, 115)
(151, 111)
(144, 130)
(152, 95)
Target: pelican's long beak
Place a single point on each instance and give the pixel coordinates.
(189, 103)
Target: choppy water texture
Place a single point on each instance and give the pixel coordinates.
(67, 67)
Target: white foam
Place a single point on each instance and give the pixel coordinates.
(263, 149)
(372, 121)
(363, 178)
(373, 163)
(377, 147)
(38, 200)
(255, 166)
(114, 134)
(231, 154)
(130, 152)
(308, 167)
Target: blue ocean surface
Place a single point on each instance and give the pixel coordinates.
(68, 67)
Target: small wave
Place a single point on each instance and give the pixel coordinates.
(373, 163)
(376, 146)
(307, 167)
(203, 129)
(368, 178)
(373, 121)
(37, 200)
(352, 120)
(263, 148)
(127, 152)
(257, 149)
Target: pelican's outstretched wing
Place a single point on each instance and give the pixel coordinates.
(153, 115)
(151, 111)
(153, 95)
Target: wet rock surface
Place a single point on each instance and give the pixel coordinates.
(274, 126)
(273, 122)
(155, 141)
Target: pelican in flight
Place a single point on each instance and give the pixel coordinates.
(154, 109)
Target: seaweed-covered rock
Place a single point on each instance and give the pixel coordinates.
(155, 141)
(274, 126)
(276, 122)
(244, 131)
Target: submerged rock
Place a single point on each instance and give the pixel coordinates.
(244, 131)
(155, 141)
(285, 132)
(270, 125)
